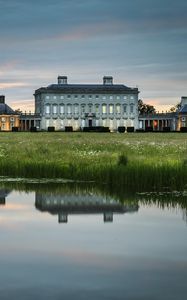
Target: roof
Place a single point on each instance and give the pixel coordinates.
(87, 88)
(6, 110)
(183, 109)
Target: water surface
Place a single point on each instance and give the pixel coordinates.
(81, 244)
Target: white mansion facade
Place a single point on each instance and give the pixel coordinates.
(87, 105)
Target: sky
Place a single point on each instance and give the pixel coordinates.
(141, 43)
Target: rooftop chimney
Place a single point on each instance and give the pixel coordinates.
(62, 80)
(2, 99)
(107, 80)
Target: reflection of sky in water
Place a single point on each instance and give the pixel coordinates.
(138, 256)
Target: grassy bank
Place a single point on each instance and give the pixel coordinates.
(138, 161)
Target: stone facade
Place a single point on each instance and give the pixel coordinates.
(87, 105)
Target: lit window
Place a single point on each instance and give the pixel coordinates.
(132, 97)
(104, 108)
(125, 97)
(111, 109)
(111, 97)
(104, 97)
(61, 97)
(118, 97)
(47, 97)
(54, 97)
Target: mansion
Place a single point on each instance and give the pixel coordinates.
(87, 105)
(90, 107)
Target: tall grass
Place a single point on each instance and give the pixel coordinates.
(135, 161)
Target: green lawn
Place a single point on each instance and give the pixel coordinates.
(133, 159)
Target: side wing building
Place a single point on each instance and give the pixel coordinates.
(87, 105)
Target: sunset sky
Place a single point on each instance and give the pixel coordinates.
(139, 42)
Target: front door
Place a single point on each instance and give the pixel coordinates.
(90, 123)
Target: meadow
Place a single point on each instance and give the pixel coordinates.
(135, 161)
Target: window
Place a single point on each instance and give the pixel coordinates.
(83, 108)
(54, 97)
(132, 97)
(125, 97)
(3, 119)
(118, 97)
(47, 97)
(111, 109)
(76, 108)
(47, 109)
(118, 108)
(69, 109)
(90, 107)
(131, 108)
(104, 97)
(104, 108)
(12, 119)
(96, 108)
(183, 119)
(96, 96)
(54, 109)
(111, 97)
(82, 96)
(124, 108)
(61, 97)
(69, 96)
(90, 96)
(75, 96)
(61, 109)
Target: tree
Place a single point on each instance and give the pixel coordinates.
(145, 108)
(175, 108)
(18, 111)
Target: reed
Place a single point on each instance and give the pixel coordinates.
(135, 161)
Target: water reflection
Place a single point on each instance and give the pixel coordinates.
(138, 256)
(67, 204)
(3, 194)
(86, 199)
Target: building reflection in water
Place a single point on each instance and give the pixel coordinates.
(64, 205)
(3, 194)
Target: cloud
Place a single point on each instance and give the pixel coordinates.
(12, 85)
(138, 42)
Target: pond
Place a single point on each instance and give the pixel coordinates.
(62, 241)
